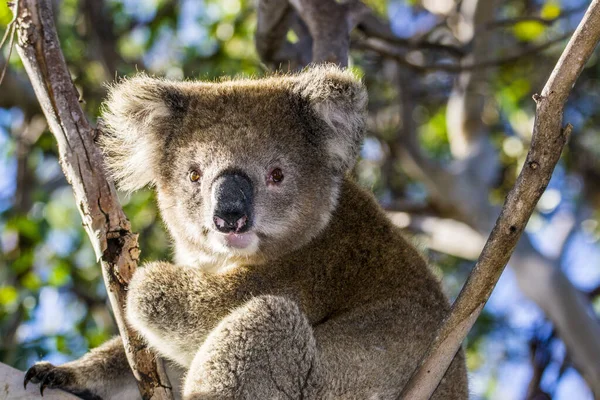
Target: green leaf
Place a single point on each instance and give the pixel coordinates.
(26, 227)
(96, 337)
(528, 31)
(433, 135)
(357, 71)
(8, 295)
(61, 344)
(24, 262)
(550, 10)
(5, 15)
(380, 6)
(60, 274)
(292, 37)
(31, 281)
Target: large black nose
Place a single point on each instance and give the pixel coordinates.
(232, 198)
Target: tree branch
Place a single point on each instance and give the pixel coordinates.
(330, 40)
(457, 194)
(273, 22)
(371, 26)
(443, 235)
(546, 147)
(389, 51)
(108, 228)
(461, 190)
(12, 387)
(328, 23)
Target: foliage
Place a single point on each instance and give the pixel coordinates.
(52, 299)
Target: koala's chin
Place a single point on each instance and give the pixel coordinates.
(242, 244)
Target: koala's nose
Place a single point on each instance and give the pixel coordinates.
(232, 194)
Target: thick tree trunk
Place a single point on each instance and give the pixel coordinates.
(107, 226)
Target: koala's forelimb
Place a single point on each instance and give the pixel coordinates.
(263, 350)
(175, 307)
(260, 348)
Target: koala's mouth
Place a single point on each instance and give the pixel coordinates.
(239, 240)
(245, 243)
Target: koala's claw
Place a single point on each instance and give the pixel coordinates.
(48, 376)
(36, 373)
(28, 376)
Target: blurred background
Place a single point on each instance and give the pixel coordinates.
(450, 122)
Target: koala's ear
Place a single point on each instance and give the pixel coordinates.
(138, 115)
(339, 99)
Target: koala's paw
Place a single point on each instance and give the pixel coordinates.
(155, 291)
(52, 377)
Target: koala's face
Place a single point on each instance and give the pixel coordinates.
(244, 169)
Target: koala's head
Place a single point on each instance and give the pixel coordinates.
(247, 169)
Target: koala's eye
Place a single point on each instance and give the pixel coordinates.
(194, 175)
(276, 176)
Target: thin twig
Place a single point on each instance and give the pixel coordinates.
(10, 31)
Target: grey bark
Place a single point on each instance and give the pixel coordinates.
(273, 22)
(107, 226)
(322, 25)
(331, 41)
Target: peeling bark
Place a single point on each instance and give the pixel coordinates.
(107, 226)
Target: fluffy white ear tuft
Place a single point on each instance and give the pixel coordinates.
(340, 100)
(136, 118)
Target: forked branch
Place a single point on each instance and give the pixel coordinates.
(108, 228)
(548, 141)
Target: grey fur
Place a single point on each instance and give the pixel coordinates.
(328, 301)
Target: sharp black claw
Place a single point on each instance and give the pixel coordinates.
(28, 376)
(43, 385)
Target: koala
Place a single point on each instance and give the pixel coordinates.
(289, 281)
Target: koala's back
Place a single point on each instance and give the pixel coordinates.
(373, 303)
